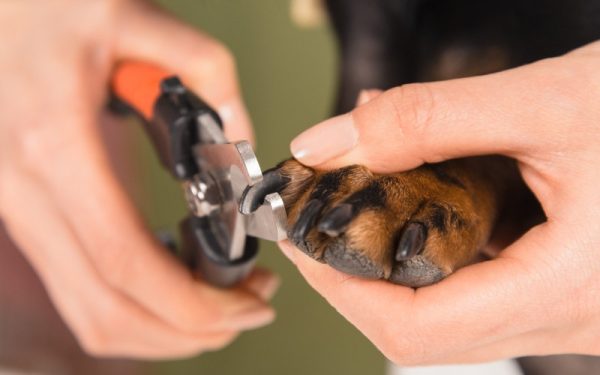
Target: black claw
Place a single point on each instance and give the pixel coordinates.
(411, 242)
(306, 221)
(273, 182)
(336, 221)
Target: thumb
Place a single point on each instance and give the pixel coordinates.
(510, 113)
(148, 33)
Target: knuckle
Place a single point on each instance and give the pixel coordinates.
(414, 107)
(34, 145)
(115, 265)
(99, 337)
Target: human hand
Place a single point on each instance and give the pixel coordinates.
(119, 290)
(540, 295)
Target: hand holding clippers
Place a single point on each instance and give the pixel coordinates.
(219, 242)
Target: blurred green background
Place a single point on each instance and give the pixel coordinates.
(288, 80)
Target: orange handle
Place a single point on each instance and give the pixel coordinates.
(138, 84)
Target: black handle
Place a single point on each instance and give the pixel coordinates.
(170, 112)
(199, 252)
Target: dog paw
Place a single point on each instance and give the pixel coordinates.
(412, 228)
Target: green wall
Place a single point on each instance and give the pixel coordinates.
(288, 80)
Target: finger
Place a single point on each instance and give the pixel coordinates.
(262, 283)
(476, 306)
(342, 291)
(105, 322)
(413, 124)
(146, 32)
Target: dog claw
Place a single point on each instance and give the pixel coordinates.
(306, 220)
(273, 181)
(411, 242)
(336, 221)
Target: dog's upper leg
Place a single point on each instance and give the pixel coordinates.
(377, 45)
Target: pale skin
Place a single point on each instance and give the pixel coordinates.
(541, 294)
(123, 295)
(117, 288)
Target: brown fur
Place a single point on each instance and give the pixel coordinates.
(457, 201)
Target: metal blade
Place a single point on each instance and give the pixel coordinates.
(232, 167)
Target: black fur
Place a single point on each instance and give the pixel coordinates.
(442, 176)
(386, 43)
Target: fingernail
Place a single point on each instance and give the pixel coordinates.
(264, 284)
(254, 319)
(326, 140)
(270, 288)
